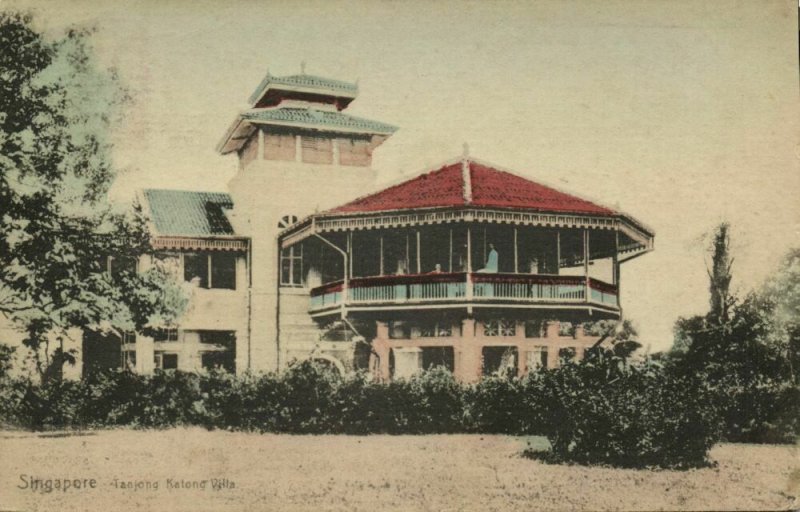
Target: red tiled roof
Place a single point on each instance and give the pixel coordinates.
(491, 188)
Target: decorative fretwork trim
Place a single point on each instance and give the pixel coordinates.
(199, 244)
(322, 224)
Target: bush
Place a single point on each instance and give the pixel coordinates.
(496, 405)
(603, 410)
(760, 410)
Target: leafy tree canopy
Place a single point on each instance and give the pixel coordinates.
(57, 228)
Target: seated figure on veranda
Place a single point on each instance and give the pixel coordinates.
(491, 261)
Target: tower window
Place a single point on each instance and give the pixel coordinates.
(354, 152)
(317, 150)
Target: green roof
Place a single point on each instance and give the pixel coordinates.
(185, 213)
(306, 81)
(306, 116)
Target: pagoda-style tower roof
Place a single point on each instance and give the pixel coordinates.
(304, 102)
(275, 88)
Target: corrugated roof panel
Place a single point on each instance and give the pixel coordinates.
(187, 213)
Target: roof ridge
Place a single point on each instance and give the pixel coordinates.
(466, 177)
(159, 189)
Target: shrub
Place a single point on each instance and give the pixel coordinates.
(496, 405)
(760, 410)
(603, 410)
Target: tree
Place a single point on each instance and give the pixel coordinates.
(720, 275)
(699, 338)
(747, 349)
(57, 227)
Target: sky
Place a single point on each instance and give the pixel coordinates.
(682, 114)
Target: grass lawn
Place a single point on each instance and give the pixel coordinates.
(447, 472)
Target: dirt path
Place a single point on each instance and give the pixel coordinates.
(281, 472)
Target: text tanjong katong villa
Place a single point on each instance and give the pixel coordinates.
(466, 266)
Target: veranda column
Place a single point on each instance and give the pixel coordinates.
(586, 291)
(558, 252)
(381, 351)
(553, 343)
(468, 284)
(419, 259)
(381, 263)
(522, 354)
(469, 364)
(516, 252)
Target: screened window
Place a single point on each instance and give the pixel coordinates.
(535, 329)
(221, 353)
(210, 270)
(165, 334)
(499, 328)
(223, 271)
(499, 360)
(195, 269)
(436, 330)
(292, 266)
(165, 361)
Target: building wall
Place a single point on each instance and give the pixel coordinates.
(208, 310)
(468, 344)
(264, 191)
(300, 336)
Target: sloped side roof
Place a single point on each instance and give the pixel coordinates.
(493, 188)
(490, 187)
(306, 116)
(185, 213)
(440, 188)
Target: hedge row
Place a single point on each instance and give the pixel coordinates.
(601, 410)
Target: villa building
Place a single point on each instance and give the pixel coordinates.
(468, 266)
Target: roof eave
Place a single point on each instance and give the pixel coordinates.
(465, 206)
(345, 129)
(322, 91)
(224, 146)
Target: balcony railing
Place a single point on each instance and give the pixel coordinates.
(461, 287)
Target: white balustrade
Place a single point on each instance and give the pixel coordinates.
(528, 288)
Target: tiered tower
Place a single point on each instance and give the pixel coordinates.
(298, 153)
